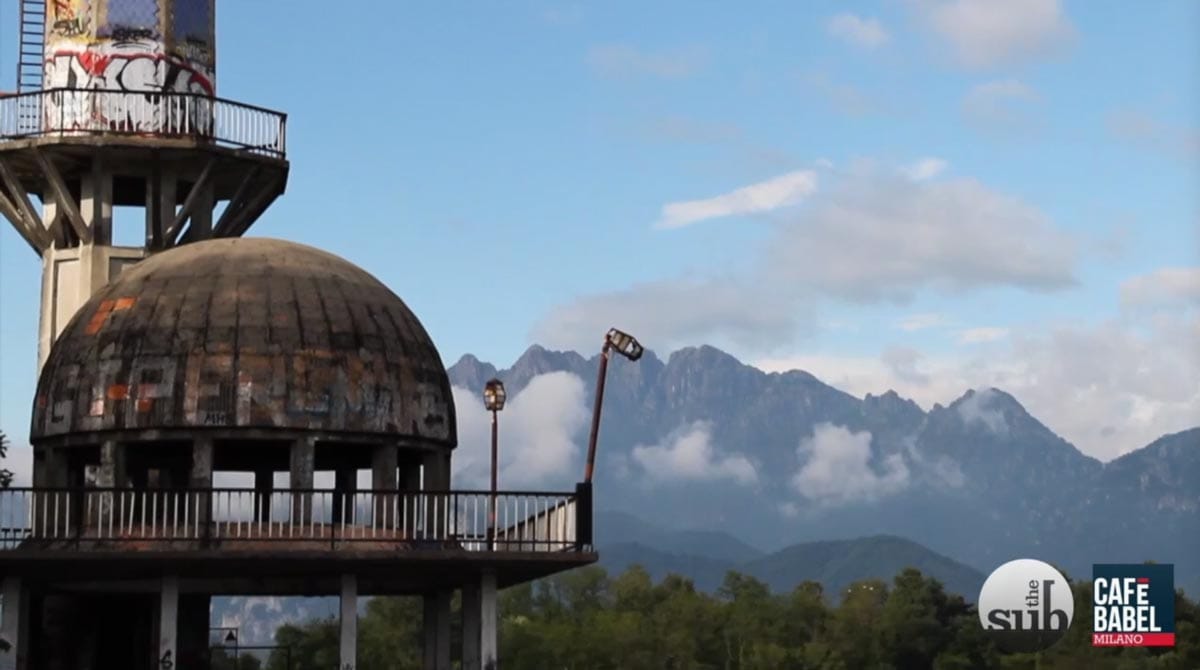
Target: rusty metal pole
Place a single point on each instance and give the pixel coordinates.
(591, 456)
(495, 467)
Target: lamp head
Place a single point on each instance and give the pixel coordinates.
(625, 344)
(494, 395)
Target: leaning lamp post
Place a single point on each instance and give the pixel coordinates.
(493, 401)
(628, 346)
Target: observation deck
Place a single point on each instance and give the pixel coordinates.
(256, 542)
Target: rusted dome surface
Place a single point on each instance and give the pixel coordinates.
(245, 332)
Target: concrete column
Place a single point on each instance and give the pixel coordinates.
(14, 625)
(410, 484)
(194, 616)
(488, 621)
(168, 622)
(471, 632)
(437, 630)
(200, 479)
(201, 223)
(345, 483)
(96, 202)
(264, 483)
(437, 478)
(300, 478)
(110, 475)
(349, 623)
(383, 478)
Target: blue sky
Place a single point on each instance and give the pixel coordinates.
(951, 193)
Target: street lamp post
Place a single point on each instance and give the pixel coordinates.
(628, 346)
(493, 400)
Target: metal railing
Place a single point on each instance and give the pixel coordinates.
(60, 518)
(67, 112)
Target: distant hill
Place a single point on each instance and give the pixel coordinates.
(835, 564)
(614, 529)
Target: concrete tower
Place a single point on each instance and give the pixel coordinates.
(125, 114)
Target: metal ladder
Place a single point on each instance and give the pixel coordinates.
(31, 60)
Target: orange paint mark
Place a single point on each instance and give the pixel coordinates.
(118, 392)
(100, 317)
(107, 307)
(145, 405)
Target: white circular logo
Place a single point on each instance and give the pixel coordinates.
(1026, 605)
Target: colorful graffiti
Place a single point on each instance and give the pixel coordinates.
(132, 67)
(70, 19)
(118, 45)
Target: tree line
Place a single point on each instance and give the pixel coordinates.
(588, 620)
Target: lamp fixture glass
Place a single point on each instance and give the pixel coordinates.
(625, 344)
(494, 395)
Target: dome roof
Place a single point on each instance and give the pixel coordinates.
(245, 333)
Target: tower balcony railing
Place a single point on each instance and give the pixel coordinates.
(72, 112)
(117, 519)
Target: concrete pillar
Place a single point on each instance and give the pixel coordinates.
(200, 480)
(168, 622)
(345, 483)
(437, 630)
(349, 623)
(488, 621)
(264, 484)
(383, 479)
(14, 625)
(300, 478)
(410, 484)
(110, 475)
(471, 632)
(436, 466)
(201, 222)
(194, 616)
(96, 201)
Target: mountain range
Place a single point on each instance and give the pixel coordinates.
(704, 442)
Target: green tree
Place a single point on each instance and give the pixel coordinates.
(6, 475)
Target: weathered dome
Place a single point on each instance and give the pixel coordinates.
(245, 333)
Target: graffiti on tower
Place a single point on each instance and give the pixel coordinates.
(120, 46)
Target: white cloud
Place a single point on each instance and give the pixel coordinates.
(623, 60)
(874, 235)
(1154, 135)
(1163, 286)
(915, 322)
(926, 168)
(538, 436)
(837, 468)
(668, 315)
(904, 363)
(688, 455)
(990, 33)
(981, 335)
(978, 408)
(867, 33)
(781, 191)
(1002, 105)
